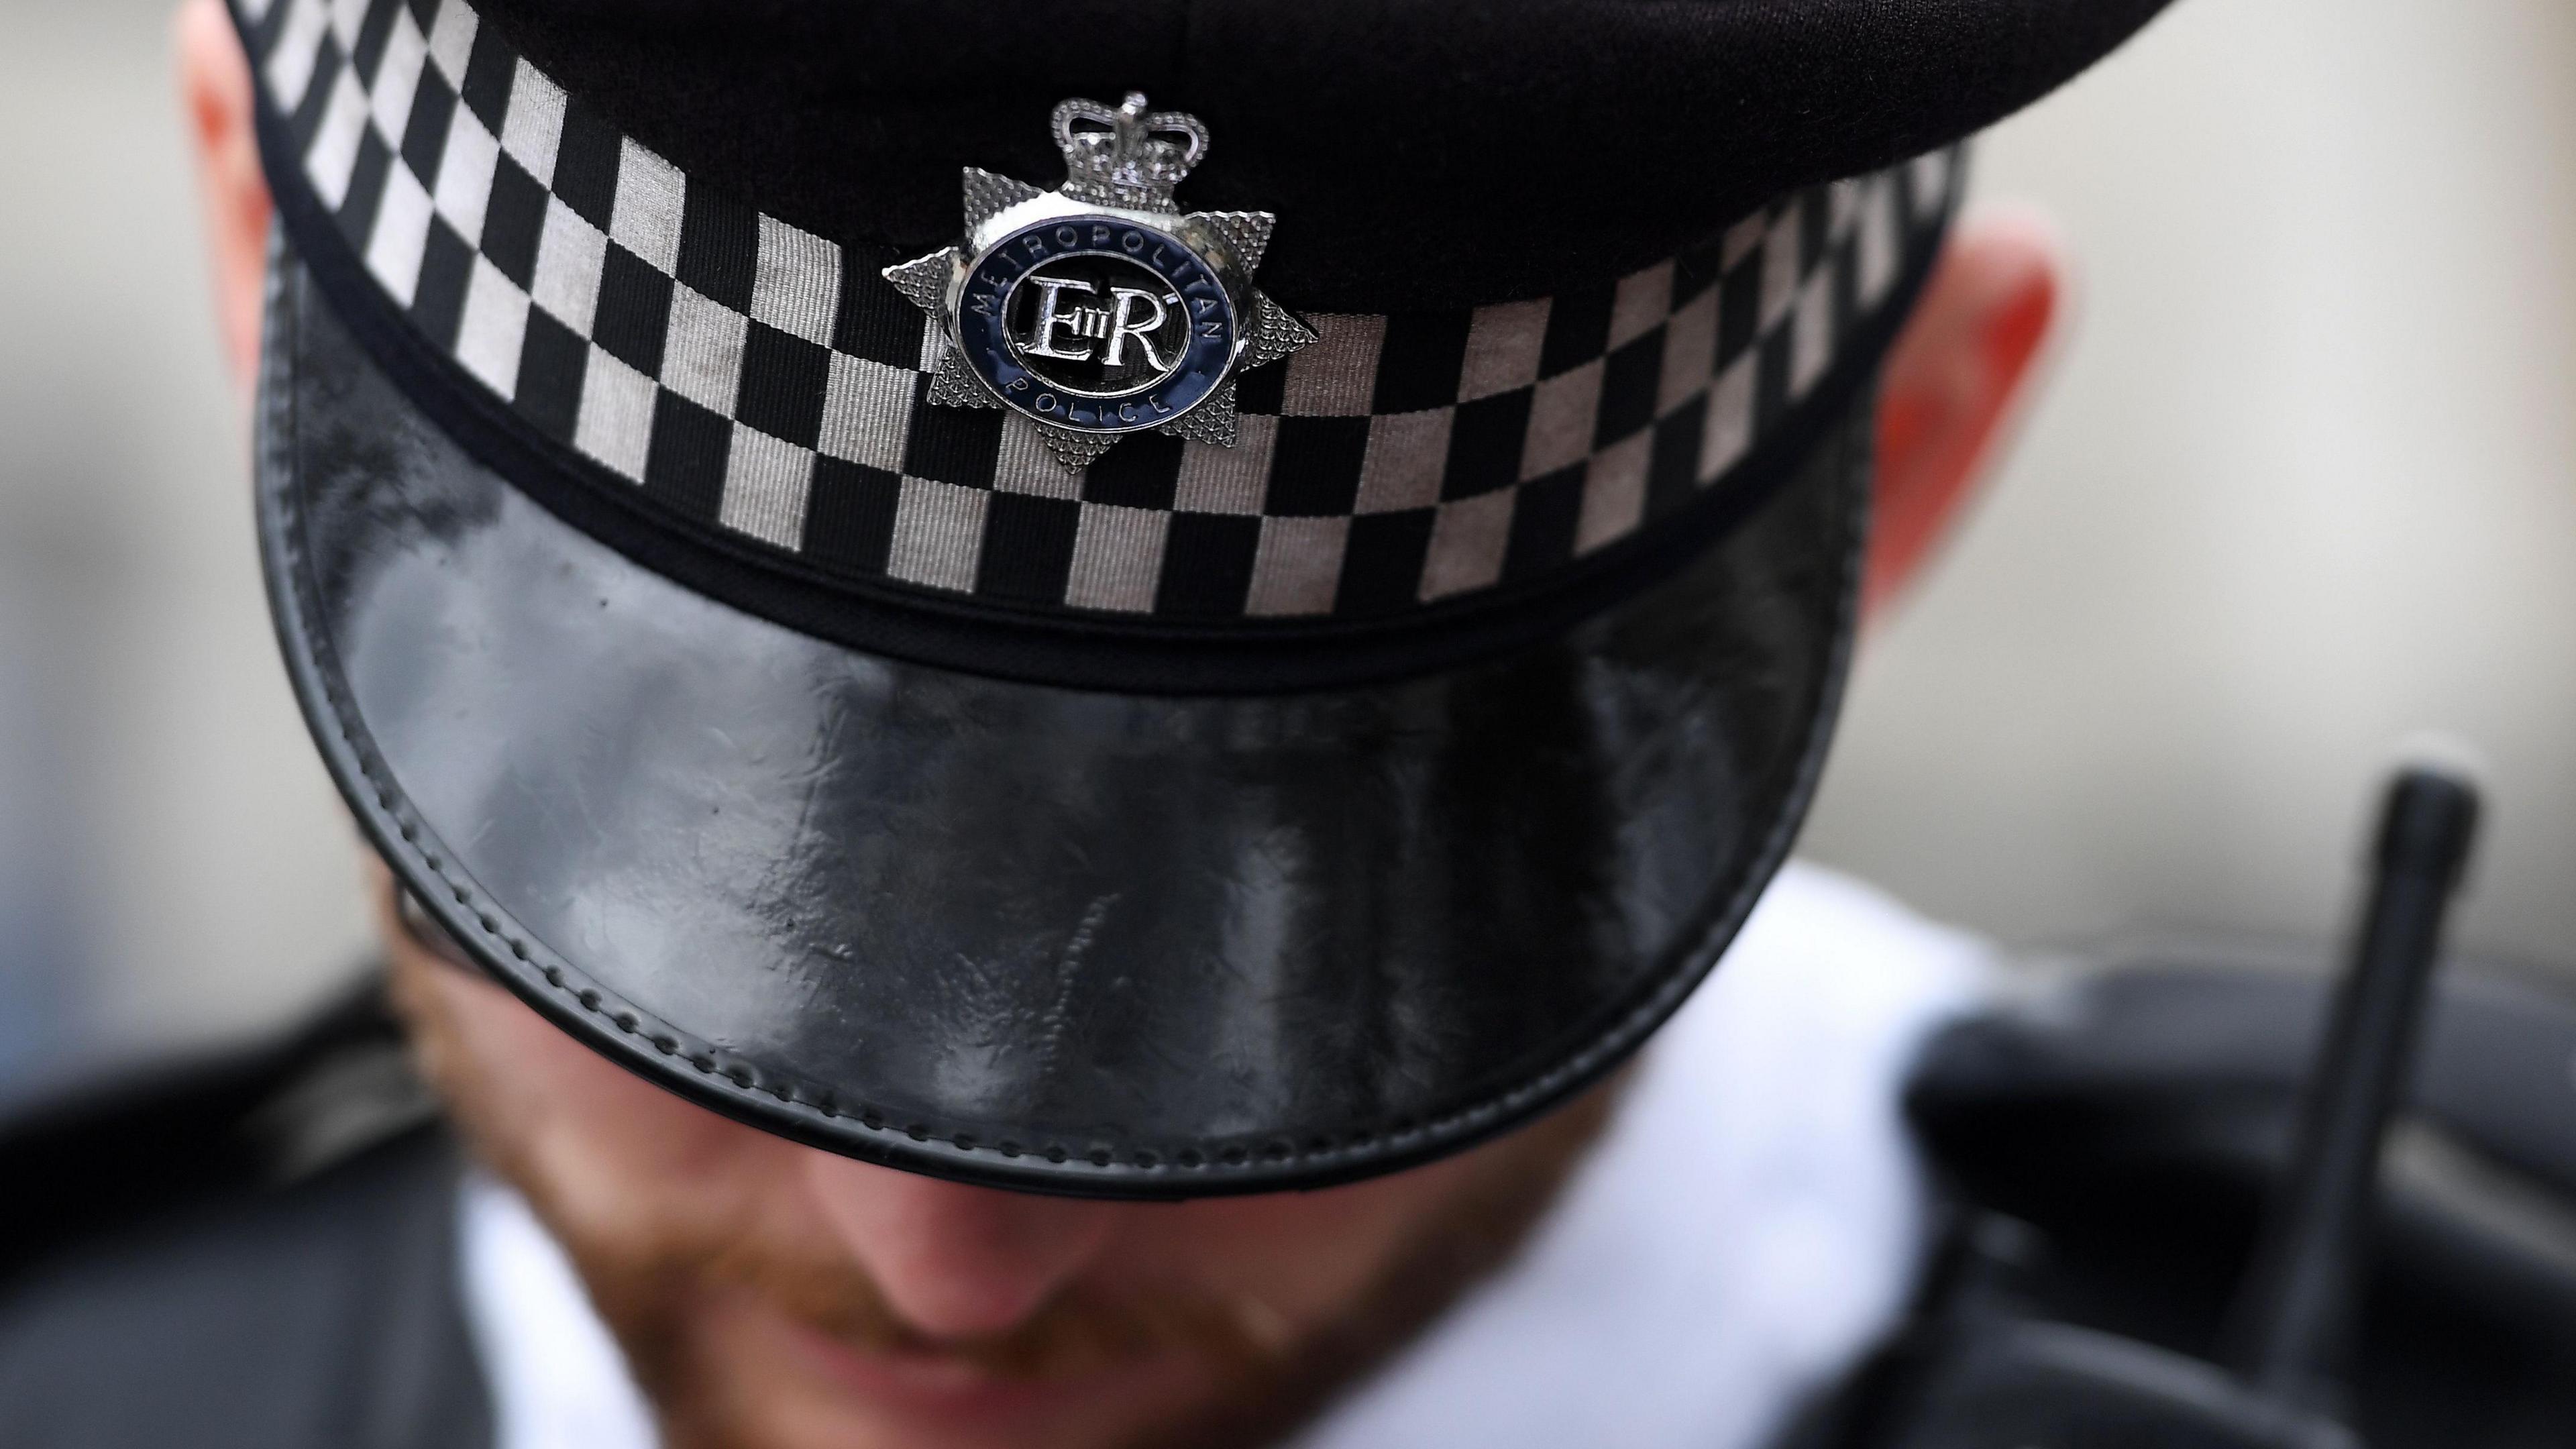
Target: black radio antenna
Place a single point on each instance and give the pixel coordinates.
(2290, 1327)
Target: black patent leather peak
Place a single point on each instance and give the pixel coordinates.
(1020, 935)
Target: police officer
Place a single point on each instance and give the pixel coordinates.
(1049, 696)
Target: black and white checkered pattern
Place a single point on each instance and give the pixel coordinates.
(759, 379)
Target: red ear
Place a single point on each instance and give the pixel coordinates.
(215, 96)
(1952, 387)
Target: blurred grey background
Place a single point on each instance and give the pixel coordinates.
(2305, 481)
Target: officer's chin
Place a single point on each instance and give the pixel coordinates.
(769, 1375)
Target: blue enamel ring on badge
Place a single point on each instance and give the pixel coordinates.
(1096, 323)
(1100, 308)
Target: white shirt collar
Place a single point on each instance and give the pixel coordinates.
(1751, 1222)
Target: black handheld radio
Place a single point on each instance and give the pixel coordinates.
(2004, 1380)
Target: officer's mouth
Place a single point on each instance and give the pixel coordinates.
(1063, 1368)
(953, 1387)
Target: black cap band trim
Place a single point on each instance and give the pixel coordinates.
(741, 405)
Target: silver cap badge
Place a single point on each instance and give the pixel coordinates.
(1100, 309)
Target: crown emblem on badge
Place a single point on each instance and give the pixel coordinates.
(1129, 157)
(1100, 308)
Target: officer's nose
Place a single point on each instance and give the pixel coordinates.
(956, 1262)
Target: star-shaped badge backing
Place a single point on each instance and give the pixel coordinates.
(1125, 163)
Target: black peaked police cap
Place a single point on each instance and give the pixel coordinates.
(1140, 599)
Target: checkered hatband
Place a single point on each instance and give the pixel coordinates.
(762, 382)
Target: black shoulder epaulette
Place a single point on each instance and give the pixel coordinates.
(251, 1251)
(162, 1139)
